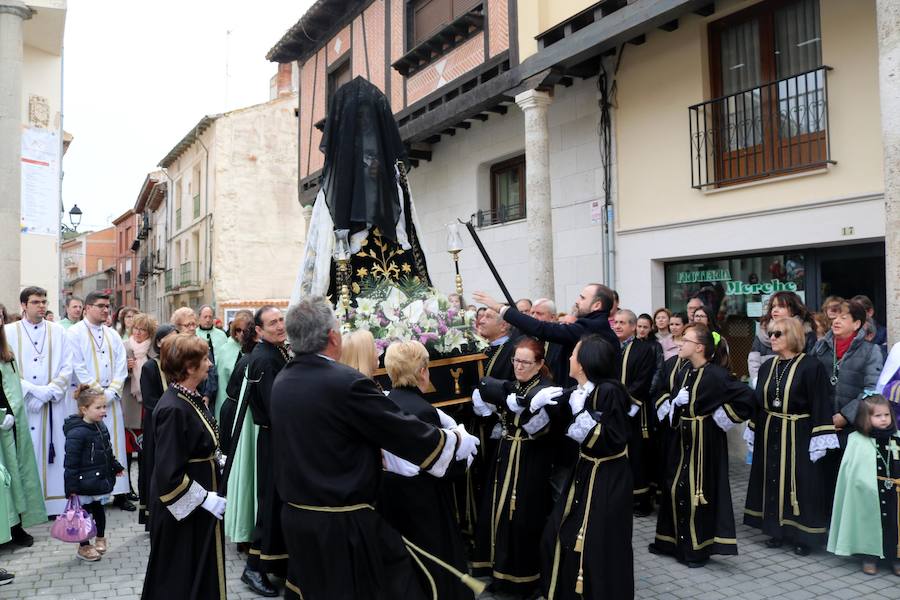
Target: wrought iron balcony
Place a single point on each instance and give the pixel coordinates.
(168, 280)
(501, 214)
(773, 129)
(189, 274)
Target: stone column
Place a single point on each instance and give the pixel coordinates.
(12, 13)
(888, 21)
(534, 105)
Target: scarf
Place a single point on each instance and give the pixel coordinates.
(842, 345)
(140, 350)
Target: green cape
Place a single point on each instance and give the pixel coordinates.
(240, 518)
(5, 502)
(856, 516)
(17, 455)
(226, 356)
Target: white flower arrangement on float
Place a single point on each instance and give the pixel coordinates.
(411, 311)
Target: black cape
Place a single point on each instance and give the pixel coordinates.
(638, 372)
(152, 389)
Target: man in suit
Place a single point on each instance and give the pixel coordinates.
(329, 424)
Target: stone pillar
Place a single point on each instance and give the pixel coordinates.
(12, 13)
(888, 21)
(534, 105)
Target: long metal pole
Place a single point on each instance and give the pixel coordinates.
(489, 262)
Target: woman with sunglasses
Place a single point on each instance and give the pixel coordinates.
(785, 496)
(781, 304)
(702, 402)
(517, 498)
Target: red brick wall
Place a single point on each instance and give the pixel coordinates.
(338, 45)
(455, 63)
(397, 37)
(498, 26)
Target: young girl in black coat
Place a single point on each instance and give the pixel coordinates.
(90, 466)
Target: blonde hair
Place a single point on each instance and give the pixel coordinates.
(358, 351)
(403, 361)
(145, 322)
(792, 330)
(85, 396)
(181, 315)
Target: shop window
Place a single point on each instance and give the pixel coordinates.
(769, 115)
(429, 16)
(507, 193)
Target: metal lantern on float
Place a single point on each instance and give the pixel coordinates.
(342, 258)
(454, 247)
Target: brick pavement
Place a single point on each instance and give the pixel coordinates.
(49, 569)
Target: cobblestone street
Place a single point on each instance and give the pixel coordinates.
(50, 570)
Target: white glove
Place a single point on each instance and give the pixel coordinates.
(468, 444)
(683, 397)
(635, 409)
(7, 423)
(215, 505)
(753, 382)
(42, 393)
(576, 400)
(33, 404)
(513, 404)
(665, 409)
(111, 396)
(750, 437)
(400, 466)
(815, 455)
(545, 397)
(496, 432)
(480, 407)
(447, 422)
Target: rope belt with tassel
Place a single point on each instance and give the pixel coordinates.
(697, 496)
(792, 419)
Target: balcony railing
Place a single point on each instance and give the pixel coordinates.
(189, 274)
(500, 214)
(177, 219)
(773, 129)
(196, 205)
(168, 280)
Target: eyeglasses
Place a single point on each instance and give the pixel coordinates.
(100, 306)
(776, 333)
(684, 339)
(38, 302)
(522, 363)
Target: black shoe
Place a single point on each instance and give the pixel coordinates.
(643, 509)
(695, 564)
(655, 549)
(6, 577)
(125, 504)
(132, 496)
(20, 537)
(258, 583)
(774, 543)
(801, 550)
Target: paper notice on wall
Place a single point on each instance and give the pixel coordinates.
(40, 182)
(596, 212)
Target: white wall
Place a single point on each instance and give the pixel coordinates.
(456, 183)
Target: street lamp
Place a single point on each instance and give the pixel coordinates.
(75, 217)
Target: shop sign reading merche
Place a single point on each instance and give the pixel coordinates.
(704, 276)
(740, 288)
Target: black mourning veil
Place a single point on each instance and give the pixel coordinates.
(361, 145)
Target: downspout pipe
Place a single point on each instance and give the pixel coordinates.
(212, 293)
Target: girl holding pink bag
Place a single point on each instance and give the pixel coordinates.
(90, 465)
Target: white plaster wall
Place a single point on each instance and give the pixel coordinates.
(641, 285)
(456, 183)
(258, 227)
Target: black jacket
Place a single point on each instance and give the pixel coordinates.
(90, 467)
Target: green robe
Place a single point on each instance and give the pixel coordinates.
(240, 517)
(226, 356)
(856, 515)
(66, 323)
(5, 502)
(26, 504)
(216, 336)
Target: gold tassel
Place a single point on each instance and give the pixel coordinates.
(512, 503)
(700, 499)
(473, 584)
(579, 542)
(794, 504)
(579, 583)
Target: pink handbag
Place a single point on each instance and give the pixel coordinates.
(75, 524)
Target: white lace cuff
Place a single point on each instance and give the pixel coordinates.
(496, 432)
(537, 422)
(722, 420)
(439, 469)
(815, 455)
(633, 410)
(664, 409)
(584, 423)
(191, 499)
(829, 441)
(749, 437)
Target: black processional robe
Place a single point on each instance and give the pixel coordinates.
(517, 499)
(470, 489)
(786, 495)
(588, 535)
(696, 518)
(187, 543)
(421, 508)
(329, 424)
(267, 549)
(153, 386)
(228, 413)
(638, 370)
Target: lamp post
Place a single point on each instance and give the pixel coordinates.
(342, 258)
(454, 247)
(74, 218)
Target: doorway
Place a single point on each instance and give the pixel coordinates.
(847, 271)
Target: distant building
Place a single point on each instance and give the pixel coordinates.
(89, 262)
(127, 226)
(151, 241)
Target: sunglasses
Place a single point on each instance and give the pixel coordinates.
(775, 333)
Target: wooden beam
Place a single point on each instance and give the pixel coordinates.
(481, 117)
(500, 109)
(707, 10)
(449, 131)
(566, 82)
(638, 41)
(463, 125)
(670, 26)
(433, 139)
(419, 154)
